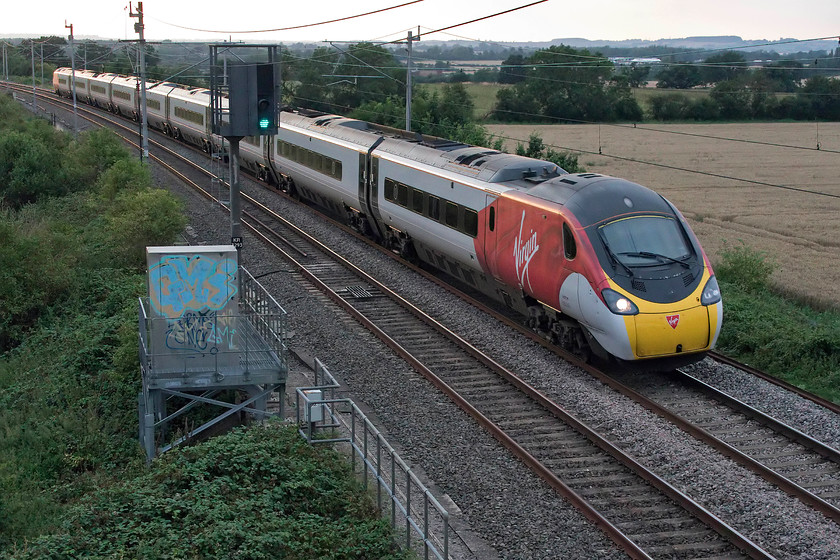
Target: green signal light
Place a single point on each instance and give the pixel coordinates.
(264, 123)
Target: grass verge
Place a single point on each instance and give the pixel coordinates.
(782, 337)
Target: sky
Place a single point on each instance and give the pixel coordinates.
(553, 19)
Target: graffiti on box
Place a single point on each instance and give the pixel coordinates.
(190, 291)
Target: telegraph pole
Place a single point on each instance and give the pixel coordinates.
(42, 64)
(73, 81)
(410, 39)
(139, 28)
(34, 101)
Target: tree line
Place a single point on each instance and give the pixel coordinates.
(556, 84)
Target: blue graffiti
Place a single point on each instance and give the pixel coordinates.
(199, 332)
(180, 283)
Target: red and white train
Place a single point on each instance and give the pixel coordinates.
(596, 263)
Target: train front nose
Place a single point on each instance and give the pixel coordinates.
(661, 334)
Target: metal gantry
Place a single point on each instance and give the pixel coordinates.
(187, 359)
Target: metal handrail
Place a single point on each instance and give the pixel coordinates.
(324, 411)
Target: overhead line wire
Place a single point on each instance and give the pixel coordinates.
(294, 26)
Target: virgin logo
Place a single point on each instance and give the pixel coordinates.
(523, 252)
(673, 320)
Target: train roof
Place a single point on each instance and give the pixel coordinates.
(480, 163)
(593, 197)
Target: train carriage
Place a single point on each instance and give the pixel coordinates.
(100, 90)
(83, 83)
(62, 79)
(325, 167)
(189, 116)
(124, 97)
(157, 99)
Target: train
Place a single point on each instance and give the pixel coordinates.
(599, 265)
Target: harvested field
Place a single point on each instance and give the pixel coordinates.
(798, 230)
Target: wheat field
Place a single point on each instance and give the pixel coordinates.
(749, 188)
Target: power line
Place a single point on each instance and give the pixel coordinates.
(485, 17)
(295, 26)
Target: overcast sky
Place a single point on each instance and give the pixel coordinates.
(605, 19)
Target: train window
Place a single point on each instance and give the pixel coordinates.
(470, 222)
(390, 188)
(434, 208)
(451, 216)
(491, 222)
(417, 200)
(402, 194)
(569, 245)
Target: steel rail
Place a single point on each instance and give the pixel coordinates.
(830, 405)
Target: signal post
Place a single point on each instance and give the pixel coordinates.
(253, 95)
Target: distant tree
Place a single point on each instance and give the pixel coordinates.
(459, 76)
(488, 75)
(636, 74)
(378, 76)
(734, 98)
(93, 55)
(785, 74)
(537, 149)
(307, 79)
(55, 52)
(822, 96)
(512, 70)
(566, 83)
(679, 76)
(669, 107)
(728, 65)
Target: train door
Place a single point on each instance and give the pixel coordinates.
(363, 171)
(268, 158)
(491, 228)
(369, 188)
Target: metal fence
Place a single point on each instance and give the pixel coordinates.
(419, 521)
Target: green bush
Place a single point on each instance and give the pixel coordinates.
(537, 149)
(259, 493)
(746, 268)
(787, 340)
(36, 269)
(137, 219)
(68, 321)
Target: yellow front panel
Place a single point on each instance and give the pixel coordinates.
(660, 333)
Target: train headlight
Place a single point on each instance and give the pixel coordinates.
(711, 292)
(619, 304)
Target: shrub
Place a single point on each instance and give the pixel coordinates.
(256, 493)
(142, 218)
(746, 268)
(27, 169)
(537, 149)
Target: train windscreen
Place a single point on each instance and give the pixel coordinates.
(646, 240)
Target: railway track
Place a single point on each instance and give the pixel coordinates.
(795, 462)
(606, 484)
(574, 460)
